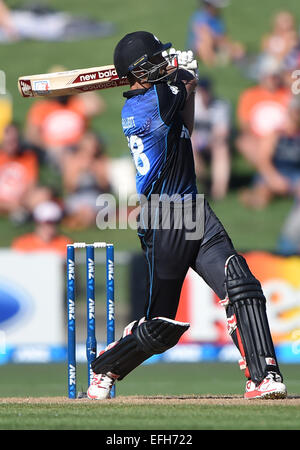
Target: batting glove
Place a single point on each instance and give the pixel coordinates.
(184, 60)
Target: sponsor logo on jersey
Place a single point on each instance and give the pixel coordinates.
(174, 89)
(128, 122)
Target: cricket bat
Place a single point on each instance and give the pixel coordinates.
(70, 82)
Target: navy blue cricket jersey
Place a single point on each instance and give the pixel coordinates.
(158, 140)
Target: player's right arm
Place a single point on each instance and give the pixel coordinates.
(188, 111)
(188, 80)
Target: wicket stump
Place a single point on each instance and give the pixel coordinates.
(91, 343)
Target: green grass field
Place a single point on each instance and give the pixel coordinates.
(170, 397)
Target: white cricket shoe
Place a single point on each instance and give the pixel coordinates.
(270, 388)
(100, 386)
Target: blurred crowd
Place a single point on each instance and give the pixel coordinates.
(262, 129)
(41, 21)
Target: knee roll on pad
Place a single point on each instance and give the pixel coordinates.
(158, 335)
(145, 339)
(249, 306)
(240, 282)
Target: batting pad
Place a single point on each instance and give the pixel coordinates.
(150, 337)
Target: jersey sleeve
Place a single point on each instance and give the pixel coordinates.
(171, 99)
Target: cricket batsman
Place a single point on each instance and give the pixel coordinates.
(157, 120)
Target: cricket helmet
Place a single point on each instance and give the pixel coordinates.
(134, 51)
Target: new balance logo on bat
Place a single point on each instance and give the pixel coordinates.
(99, 75)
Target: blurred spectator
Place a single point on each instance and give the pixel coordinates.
(46, 236)
(289, 239)
(85, 174)
(56, 125)
(7, 25)
(261, 109)
(290, 69)
(38, 194)
(282, 38)
(210, 138)
(18, 171)
(207, 35)
(278, 162)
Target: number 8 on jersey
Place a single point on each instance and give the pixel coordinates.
(141, 161)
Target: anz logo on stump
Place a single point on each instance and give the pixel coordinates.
(15, 304)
